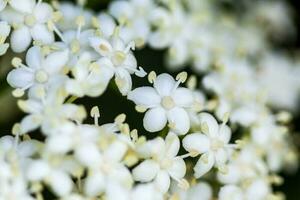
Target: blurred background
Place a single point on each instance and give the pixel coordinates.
(111, 103)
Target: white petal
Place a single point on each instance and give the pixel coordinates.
(231, 192)
(54, 62)
(178, 168)
(3, 48)
(27, 148)
(30, 123)
(34, 57)
(107, 24)
(116, 151)
(145, 96)
(25, 6)
(123, 81)
(37, 170)
(100, 45)
(41, 33)
(183, 97)
(211, 123)
(61, 183)
(164, 84)
(43, 12)
(93, 158)
(196, 142)
(2, 4)
(221, 157)
(6, 143)
(20, 39)
(20, 78)
(146, 171)
(204, 164)
(172, 145)
(155, 119)
(179, 118)
(94, 185)
(225, 133)
(162, 181)
(59, 143)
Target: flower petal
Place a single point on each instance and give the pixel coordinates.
(162, 181)
(164, 84)
(183, 97)
(146, 171)
(34, 57)
(172, 145)
(155, 119)
(196, 142)
(20, 78)
(225, 133)
(144, 96)
(54, 62)
(210, 122)
(123, 81)
(94, 185)
(30, 123)
(43, 12)
(204, 164)
(41, 33)
(20, 39)
(25, 6)
(100, 45)
(61, 183)
(178, 168)
(179, 120)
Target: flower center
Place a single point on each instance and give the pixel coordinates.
(166, 163)
(167, 102)
(30, 20)
(216, 144)
(41, 76)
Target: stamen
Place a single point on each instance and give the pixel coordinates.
(152, 77)
(120, 118)
(80, 22)
(192, 82)
(140, 108)
(52, 26)
(95, 114)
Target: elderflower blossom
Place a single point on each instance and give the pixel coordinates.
(166, 103)
(5, 30)
(213, 145)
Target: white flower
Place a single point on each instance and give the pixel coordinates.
(4, 32)
(117, 59)
(69, 13)
(163, 165)
(166, 103)
(146, 192)
(40, 69)
(49, 112)
(89, 78)
(30, 23)
(135, 15)
(213, 144)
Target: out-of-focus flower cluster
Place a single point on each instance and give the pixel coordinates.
(222, 132)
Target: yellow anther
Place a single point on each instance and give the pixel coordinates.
(16, 129)
(120, 118)
(204, 127)
(134, 135)
(95, 22)
(140, 108)
(192, 82)
(182, 76)
(225, 117)
(152, 77)
(57, 16)
(16, 62)
(18, 93)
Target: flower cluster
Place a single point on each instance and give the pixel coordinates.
(219, 133)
